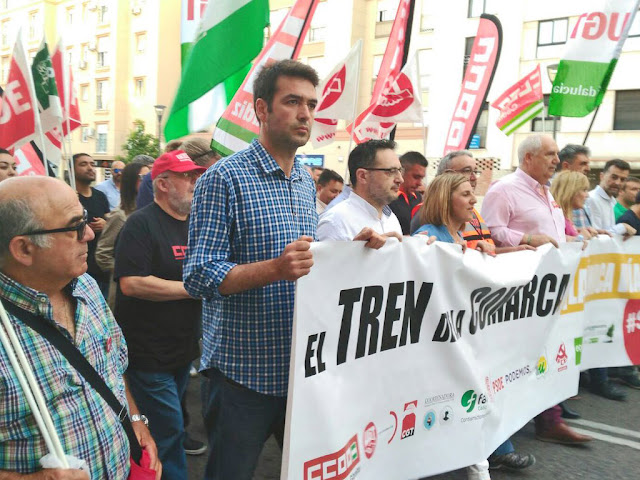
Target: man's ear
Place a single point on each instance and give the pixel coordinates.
(601, 175)
(261, 110)
(361, 176)
(21, 249)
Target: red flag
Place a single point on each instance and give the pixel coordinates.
(475, 86)
(28, 161)
(387, 76)
(520, 102)
(17, 113)
(66, 91)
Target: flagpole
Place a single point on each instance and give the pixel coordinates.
(424, 130)
(544, 114)
(584, 142)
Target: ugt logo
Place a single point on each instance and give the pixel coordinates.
(470, 399)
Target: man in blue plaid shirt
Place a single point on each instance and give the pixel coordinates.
(43, 260)
(252, 222)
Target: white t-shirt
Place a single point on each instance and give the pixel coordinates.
(348, 218)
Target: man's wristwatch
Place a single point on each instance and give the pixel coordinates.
(140, 418)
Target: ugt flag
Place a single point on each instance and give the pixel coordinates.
(520, 103)
(230, 36)
(17, 113)
(592, 53)
(338, 94)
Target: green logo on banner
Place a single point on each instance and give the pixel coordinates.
(577, 343)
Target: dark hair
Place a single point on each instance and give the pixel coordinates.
(571, 150)
(327, 176)
(413, 158)
(129, 187)
(364, 155)
(264, 86)
(5, 151)
(630, 180)
(78, 155)
(616, 162)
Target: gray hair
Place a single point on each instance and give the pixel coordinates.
(571, 151)
(155, 182)
(530, 144)
(146, 160)
(447, 160)
(17, 217)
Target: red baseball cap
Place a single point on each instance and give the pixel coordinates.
(175, 161)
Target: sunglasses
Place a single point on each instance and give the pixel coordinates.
(80, 229)
(117, 170)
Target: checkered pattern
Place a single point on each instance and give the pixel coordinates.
(246, 210)
(581, 218)
(88, 428)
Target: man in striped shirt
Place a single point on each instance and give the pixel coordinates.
(43, 260)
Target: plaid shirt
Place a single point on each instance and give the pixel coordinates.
(88, 428)
(246, 210)
(581, 218)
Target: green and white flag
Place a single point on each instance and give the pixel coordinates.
(592, 53)
(44, 80)
(217, 50)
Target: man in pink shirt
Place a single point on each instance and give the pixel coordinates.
(520, 210)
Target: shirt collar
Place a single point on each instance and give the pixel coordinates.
(269, 164)
(600, 191)
(367, 207)
(26, 297)
(529, 180)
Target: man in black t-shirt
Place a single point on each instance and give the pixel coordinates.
(97, 206)
(415, 170)
(158, 317)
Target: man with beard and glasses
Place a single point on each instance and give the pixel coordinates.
(158, 317)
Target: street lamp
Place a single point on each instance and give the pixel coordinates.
(552, 71)
(159, 113)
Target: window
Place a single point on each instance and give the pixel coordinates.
(102, 94)
(553, 32)
(101, 138)
(138, 86)
(627, 107)
(103, 57)
(479, 135)
(634, 31)
(70, 16)
(468, 46)
(141, 42)
(387, 10)
(4, 69)
(4, 33)
(33, 25)
(478, 7)
(319, 22)
(103, 14)
(84, 93)
(425, 63)
(551, 123)
(84, 138)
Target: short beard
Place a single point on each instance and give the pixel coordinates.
(180, 205)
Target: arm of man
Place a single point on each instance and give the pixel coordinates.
(46, 474)
(143, 434)
(153, 288)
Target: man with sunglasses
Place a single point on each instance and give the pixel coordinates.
(43, 260)
(111, 186)
(376, 176)
(159, 319)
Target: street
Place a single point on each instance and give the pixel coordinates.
(613, 454)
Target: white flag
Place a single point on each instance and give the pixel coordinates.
(400, 101)
(337, 93)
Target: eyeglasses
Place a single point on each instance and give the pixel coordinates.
(466, 171)
(79, 228)
(391, 172)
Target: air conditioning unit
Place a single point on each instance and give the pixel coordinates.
(82, 65)
(92, 45)
(136, 10)
(91, 132)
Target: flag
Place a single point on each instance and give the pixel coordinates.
(238, 125)
(483, 61)
(18, 117)
(338, 94)
(389, 69)
(49, 107)
(590, 58)
(520, 103)
(230, 36)
(400, 101)
(66, 91)
(28, 160)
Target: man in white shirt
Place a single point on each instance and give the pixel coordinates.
(328, 187)
(602, 199)
(376, 176)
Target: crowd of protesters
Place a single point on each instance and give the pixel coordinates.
(187, 248)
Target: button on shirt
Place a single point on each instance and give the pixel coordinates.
(519, 205)
(108, 187)
(88, 428)
(245, 210)
(348, 218)
(601, 211)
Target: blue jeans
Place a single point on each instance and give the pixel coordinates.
(243, 420)
(506, 447)
(157, 395)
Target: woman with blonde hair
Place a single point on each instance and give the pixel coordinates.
(570, 190)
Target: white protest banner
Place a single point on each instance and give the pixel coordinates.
(606, 294)
(415, 349)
